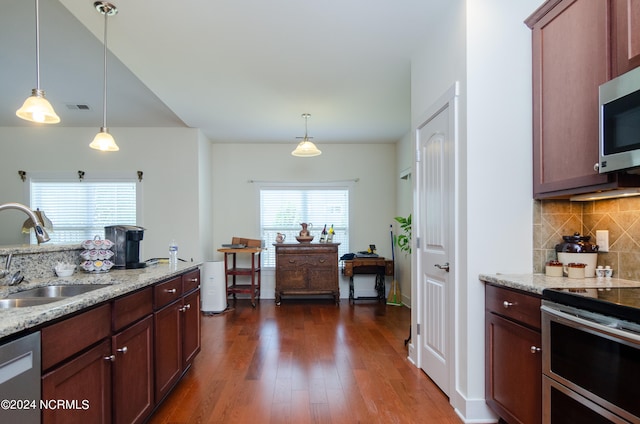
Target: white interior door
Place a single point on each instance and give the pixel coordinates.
(436, 262)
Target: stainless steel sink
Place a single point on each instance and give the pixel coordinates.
(22, 303)
(56, 291)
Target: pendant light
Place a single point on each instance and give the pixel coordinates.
(306, 148)
(36, 108)
(103, 140)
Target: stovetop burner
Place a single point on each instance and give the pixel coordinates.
(622, 302)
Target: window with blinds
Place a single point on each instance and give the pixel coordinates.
(283, 209)
(80, 210)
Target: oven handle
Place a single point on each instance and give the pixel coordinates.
(578, 322)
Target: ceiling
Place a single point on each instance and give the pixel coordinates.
(242, 71)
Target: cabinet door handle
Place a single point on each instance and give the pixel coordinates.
(193, 280)
(534, 349)
(596, 167)
(172, 290)
(122, 350)
(110, 358)
(322, 260)
(292, 261)
(185, 307)
(507, 304)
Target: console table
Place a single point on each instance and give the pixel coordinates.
(307, 269)
(376, 266)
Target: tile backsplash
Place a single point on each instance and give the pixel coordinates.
(554, 218)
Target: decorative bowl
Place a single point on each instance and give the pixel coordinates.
(304, 239)
(64, 269)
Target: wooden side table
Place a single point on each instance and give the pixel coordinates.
(380, 267)
(232, 270)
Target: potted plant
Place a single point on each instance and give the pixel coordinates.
(404, 240)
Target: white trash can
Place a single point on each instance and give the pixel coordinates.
(213, 288)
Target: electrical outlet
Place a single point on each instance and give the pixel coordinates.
(602, 240)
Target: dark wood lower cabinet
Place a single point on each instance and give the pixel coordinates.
(133, 395)
(168, 348)
(515, 380)
(177, 341)
(85, 384)
(116, 362)
(513, 357)
(190, 328)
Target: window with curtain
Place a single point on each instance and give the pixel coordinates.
(79, 210)
(283, 208)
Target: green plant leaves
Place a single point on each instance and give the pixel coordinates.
(404, 240)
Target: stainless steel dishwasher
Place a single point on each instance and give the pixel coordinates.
(20, 380)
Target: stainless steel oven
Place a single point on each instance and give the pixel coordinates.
(590, 365)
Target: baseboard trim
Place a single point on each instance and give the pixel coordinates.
(473, 411)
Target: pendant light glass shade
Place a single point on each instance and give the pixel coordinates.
(104, 141)
(36, 108)
(306, 148)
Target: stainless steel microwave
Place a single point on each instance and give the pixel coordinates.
(620, 123)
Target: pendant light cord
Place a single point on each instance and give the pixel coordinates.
(104, 100)
(38, 45)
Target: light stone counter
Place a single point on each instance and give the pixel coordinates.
(535, 283)
(14, 320)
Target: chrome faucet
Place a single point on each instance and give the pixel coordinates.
(4, 272)
(41, 234)
(15, 278)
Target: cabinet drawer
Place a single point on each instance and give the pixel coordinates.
(190, 281)
(130, 308)
(167, 292)
(513, 304)
(68, 337)
(296, 261)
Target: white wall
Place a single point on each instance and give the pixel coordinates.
(404, 206)
(236, 201)
(486, 46)
(171, 159)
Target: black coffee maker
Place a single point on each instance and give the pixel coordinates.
(126, 245)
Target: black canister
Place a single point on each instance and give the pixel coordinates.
(576, 244)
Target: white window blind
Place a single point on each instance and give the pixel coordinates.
(80, 210)
(282, 210)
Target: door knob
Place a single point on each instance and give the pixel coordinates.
(445, 266)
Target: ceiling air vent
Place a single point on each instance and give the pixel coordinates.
(78, 107)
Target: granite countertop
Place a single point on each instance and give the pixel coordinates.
(535, 283)
(14, 320)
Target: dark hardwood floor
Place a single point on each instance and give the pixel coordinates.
(306, 361)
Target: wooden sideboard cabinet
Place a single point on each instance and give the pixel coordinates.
(307, 269)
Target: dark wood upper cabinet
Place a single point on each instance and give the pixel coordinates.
(625, 32)
(572, 56)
